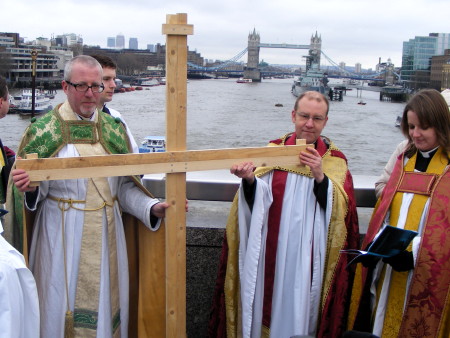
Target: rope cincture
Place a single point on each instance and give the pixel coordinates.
(64, 205)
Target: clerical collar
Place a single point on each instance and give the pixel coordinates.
(85, 118)
(424, 158)
(429, 153)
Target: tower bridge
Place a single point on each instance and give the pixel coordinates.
(253, 71)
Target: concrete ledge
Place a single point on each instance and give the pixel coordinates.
(220, 185)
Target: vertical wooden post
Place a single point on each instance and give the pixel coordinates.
(176, 29)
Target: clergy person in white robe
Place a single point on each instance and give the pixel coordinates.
(284, 273)
(19, 305)
(78, 251)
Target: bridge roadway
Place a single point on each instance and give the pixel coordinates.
(283, 45)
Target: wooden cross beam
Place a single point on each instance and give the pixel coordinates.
(161, 255)
(47, 169)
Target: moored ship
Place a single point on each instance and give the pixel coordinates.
(314, 79)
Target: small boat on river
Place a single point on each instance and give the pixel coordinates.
(23, 103)
(243, 80)
(146, 82)
(153, 144)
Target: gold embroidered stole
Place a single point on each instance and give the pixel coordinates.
(2, 160)
(2, 188)
(397, 290)
(335, 168)
(98, 206)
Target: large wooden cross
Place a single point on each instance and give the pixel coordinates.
(161, 292)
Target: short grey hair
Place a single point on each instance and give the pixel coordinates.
(83, 59)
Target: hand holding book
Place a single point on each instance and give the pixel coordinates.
(390, 243)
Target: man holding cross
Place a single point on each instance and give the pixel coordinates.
(281, 272)
(78, 253)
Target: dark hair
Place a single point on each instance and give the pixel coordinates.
(312, 95)
(433, 112)
(105, 61)
(3, 88)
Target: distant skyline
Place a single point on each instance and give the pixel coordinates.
(352, 31)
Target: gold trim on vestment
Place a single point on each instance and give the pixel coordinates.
(399, 280)
(336, 170)
(98, 193)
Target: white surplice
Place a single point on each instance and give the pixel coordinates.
(46, 254)
(134, 146)
(19, 304)
(300, 257)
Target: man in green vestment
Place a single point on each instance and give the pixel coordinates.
(77, 252)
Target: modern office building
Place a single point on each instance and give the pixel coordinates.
(120, 41)
(416, 58)
(21, 65)
(357, 68)
(10, 39)
(70, 39)
(440, 67)
(445, 83)
(151, 48)
(111, 42)
(133, 43)
(6, 41)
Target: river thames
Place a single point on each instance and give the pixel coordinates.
(224, 114)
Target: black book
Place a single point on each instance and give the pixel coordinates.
(390, 242)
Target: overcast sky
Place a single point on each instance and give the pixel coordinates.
(352, 30)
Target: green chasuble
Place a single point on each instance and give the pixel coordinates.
(46, 136)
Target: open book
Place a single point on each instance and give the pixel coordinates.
(390, 242)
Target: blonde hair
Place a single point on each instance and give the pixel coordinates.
(312, 95)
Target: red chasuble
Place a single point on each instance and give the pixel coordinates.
(337, 281)
(427, 311)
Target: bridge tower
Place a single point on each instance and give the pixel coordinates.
(315, 50)
(252, 71)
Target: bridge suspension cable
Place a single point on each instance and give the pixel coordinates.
(350, 73)
(225, 64)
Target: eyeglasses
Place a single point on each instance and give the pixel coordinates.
(306, 117)
(82, 87)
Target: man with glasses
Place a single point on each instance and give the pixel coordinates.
(78, 253)
(281, 261)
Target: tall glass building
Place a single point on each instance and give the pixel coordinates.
(416, 58)
(120, 41)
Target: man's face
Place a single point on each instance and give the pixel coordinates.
(309, 119)
(109, 75)
(4, 105)
(83, 103)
